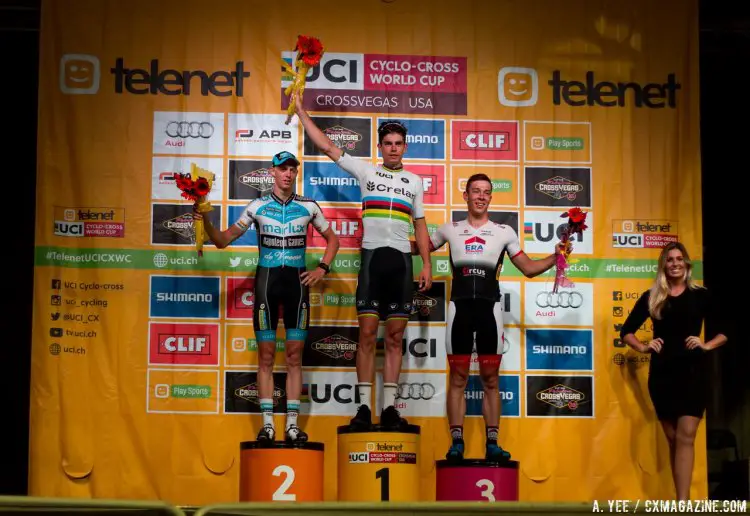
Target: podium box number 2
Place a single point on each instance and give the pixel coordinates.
(283, 472)
(379, 465)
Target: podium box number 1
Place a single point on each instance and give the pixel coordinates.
(378, 465)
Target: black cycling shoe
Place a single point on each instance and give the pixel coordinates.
(495, 453)
(391, 418)
(363, 419)
(295, 434)
(267, 434)
(456, 451)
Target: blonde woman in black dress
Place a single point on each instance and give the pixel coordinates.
(678, 380)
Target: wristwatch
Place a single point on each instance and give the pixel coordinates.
(325, 267)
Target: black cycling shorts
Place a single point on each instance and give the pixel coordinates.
(469, 316)
(385, 287)
(280, 286)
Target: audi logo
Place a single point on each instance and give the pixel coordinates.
(190, 129)
(562, 299)
(415, 391)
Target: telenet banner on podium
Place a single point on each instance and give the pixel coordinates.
(144, 362)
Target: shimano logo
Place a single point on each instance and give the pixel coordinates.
(184, 297)
(333, 181)
(559, 350)
(422, 138)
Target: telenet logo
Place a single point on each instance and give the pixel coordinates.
(517, 86)
(79, 74)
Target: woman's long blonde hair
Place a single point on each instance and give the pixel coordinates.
(660, 289)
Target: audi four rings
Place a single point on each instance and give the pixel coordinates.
(189, 129)
(415, 391)
(562, 299)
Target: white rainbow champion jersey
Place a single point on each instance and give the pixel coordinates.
(391, 199)
(476, 255)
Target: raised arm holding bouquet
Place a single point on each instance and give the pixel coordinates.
(196, 186)
(309, 52)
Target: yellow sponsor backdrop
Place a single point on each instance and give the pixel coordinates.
(600, 101)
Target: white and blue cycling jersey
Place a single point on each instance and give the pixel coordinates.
(282, 228)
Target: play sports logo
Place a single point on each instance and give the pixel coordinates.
(79, 74)
(517, 86)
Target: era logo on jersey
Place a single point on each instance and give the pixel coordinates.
(474, 245)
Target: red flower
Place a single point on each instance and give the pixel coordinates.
(201, 187)
(309, 49)
(576, 215)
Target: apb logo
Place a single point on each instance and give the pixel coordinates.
(261, 135)
(350, 134)
(558, 186)
(172, 224)
(249, 179)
